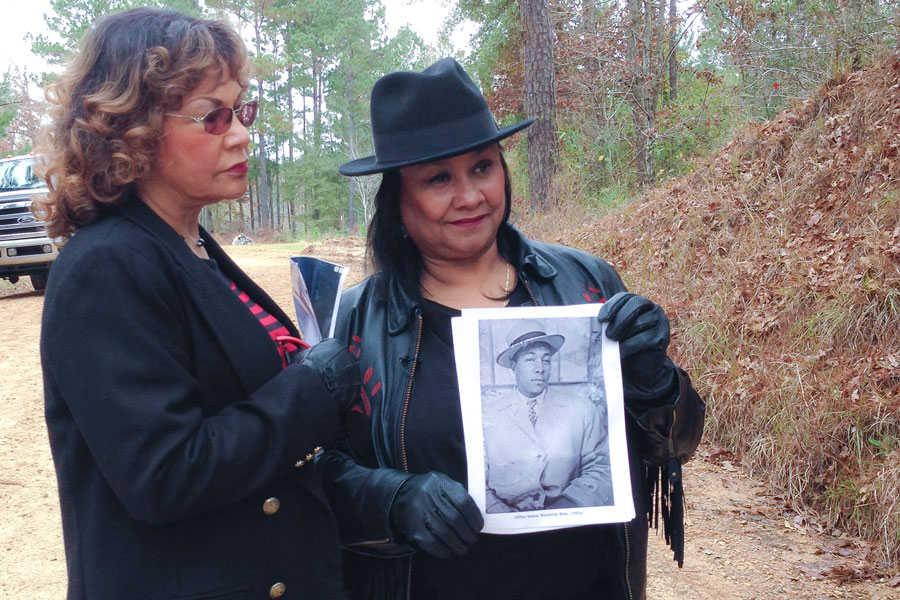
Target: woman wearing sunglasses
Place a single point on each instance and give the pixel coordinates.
(184, 419)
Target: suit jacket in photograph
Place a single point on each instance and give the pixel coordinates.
(566, 453)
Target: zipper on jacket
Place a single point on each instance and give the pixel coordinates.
(628, 564)
(530, 293)
(409, 580)
(404, 462)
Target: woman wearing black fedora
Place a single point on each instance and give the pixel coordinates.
(440, 241)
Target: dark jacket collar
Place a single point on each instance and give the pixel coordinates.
(213, 299)
(515, 247)
(523, 254)
(139, 213)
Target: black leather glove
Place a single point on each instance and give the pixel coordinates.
(337, 368)
(436, 514)
(642, 330)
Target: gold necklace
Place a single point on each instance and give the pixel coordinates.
(507, 291)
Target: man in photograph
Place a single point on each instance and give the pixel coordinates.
(545, 448)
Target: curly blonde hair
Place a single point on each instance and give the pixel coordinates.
(109, 104)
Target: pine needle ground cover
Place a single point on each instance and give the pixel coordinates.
(778, 261)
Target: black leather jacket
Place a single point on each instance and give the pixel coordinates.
(385, 334)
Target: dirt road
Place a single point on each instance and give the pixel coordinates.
(741, 543)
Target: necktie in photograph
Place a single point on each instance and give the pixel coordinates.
(532, 413)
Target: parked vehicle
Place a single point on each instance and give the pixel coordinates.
(25, 248)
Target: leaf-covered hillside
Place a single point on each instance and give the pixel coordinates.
(779, 263)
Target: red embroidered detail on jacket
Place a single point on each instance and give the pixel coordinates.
(593, 294)
(366, 407)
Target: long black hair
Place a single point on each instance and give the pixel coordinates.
(390, 250)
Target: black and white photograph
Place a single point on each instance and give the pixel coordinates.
(543, 418)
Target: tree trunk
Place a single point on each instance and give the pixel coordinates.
(250, 210)
(303, 120)
(673, 60)
(263, 183)
(351, 216)
(540, 100)
(261, 138)
(290, 106)
(276, 182)
(644, 59)
(317, 103)
(351, 188)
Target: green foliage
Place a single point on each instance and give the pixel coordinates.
(740, 60)
(497, 35)
(702, 119)
(595, 149)
(69, 20)
(783, 49)
(317, 189)
(316, 62)
(8, 104)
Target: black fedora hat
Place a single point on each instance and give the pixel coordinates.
(421, 117)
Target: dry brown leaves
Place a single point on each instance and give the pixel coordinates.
(779, 263)
(843, 562)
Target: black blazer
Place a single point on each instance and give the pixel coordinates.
(174, 430)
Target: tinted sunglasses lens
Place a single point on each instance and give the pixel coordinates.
(246, 114)
(217, 121)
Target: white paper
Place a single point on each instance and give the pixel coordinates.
(577, 446)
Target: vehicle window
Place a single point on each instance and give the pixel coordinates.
(18, 175)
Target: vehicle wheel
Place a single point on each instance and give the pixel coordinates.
(39, 281)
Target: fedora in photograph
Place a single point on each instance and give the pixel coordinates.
(421, 117)
(524, 333)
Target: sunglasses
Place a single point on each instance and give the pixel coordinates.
(218, 120)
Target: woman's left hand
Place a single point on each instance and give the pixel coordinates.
(437, 514)
(337, 368)
(642, 330)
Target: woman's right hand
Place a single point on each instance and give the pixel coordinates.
(337, 368)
